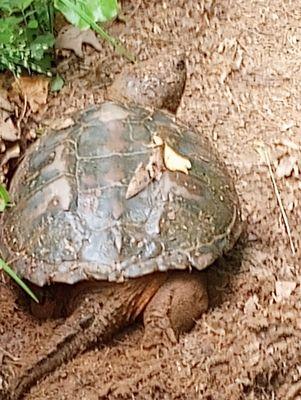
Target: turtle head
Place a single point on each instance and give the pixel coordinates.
(158, 82)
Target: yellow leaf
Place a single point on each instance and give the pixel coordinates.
(174, 161)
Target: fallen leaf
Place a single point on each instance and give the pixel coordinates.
(145, 174)
(12, 152)
(284, 289)
(72, 38)
(251, 304)
(32, 88)
(158, 141)
(139, 181)
(57, 83)
(4, 103)
(174, 161)
(163, 157)
(155, 165)
(286, 166)
(59, 124)
(8, 131)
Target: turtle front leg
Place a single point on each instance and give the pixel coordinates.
(174, 308)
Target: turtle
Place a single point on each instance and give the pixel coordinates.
(117, 216)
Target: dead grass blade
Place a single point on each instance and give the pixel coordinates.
(263, 152)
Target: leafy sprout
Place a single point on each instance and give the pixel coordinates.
(86, 14)
(19, 281)
(4, 198)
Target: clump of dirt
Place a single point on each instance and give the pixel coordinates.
(243, 92)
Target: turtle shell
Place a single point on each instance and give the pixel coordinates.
(72, 220)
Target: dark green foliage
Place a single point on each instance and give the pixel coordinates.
(26, 35)
(26, 29)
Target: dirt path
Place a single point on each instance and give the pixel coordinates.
(243, 91)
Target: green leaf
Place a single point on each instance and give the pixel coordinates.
(70, 12)
(79, 14)
(23, 4)
(109, 9)
(4, 198)
(40, 45)
(13, 6)
(33, 24)
(57, 83)
(19, 281)
(6, 37)
(76, 11)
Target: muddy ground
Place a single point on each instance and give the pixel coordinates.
(244, 92)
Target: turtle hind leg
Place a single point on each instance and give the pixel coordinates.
(78, 332)
(174, 308)
(98, 311)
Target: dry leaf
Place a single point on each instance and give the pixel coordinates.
(251, 304)
(156, 165)
(284, 289)
(138, 182)
(174, 161)
(72, 38)
(158, 162)
(4, 103)
(286, 166)
(34, 89)
(12, 152)
(59, 124)
(8, 131)
(158, 141)
(146, 174)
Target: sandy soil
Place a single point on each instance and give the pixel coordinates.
(243, 92)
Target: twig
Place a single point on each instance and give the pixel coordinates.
(282, 210)
(137, 6)
(8, 354)
(22, 115)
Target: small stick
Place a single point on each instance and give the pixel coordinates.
(22, 116)
(8, 354)
(283, 213)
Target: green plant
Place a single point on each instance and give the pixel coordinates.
(4, 198)
(86, 14)
(5, 202)
(19, 281)
(26, 35)
(26, 29)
